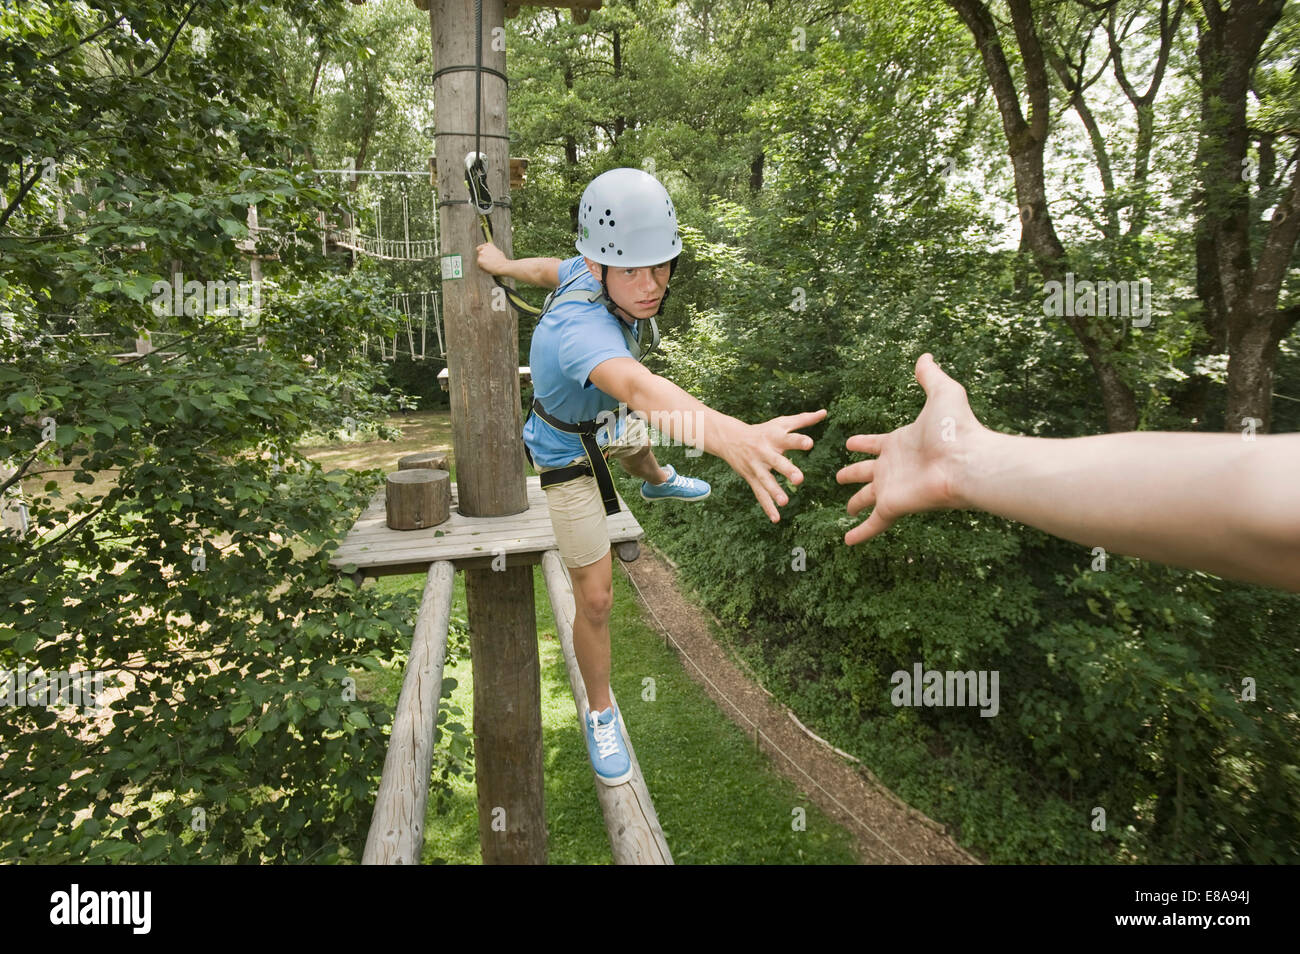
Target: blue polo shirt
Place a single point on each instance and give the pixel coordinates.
(568, 343)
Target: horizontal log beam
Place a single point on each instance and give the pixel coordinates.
(396, 834)
(635, 835)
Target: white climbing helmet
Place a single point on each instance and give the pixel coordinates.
(627, 218)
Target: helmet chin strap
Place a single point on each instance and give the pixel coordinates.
(609, 301)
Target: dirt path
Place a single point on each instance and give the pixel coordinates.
(886, 831)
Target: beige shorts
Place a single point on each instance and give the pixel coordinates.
(577, 514)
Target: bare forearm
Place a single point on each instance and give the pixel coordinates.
(1210, 501)
(673, 412)
(533, 271)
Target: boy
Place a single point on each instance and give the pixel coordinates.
(585, 360)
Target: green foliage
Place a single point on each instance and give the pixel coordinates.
(193, 570)
(200, 578)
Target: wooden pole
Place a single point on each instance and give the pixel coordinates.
(635, 835)
(396, 834)
(486, 421)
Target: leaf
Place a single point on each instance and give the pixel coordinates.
(153, 847)
(140, 287)
(114, 850)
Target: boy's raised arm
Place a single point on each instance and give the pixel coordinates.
(543, 272)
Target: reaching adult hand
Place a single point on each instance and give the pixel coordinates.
(917, 465)
(491, 259)
(761, 448)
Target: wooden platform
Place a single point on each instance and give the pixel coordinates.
(468, 542)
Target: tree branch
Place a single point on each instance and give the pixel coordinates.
(22, 194)
(979, 21)
(86, 39)
(1031, 52)
(17, 475)
(1279, 246)
(170, 43)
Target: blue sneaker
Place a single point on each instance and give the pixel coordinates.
(676, 487)
(605, 747)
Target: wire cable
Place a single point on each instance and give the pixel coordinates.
(757, 731)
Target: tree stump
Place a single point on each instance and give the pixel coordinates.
(433, 460)
(417, 498)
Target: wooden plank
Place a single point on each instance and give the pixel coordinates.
(455, 532)
(635, 835)
(469, 540)
(525, 372)
(466, 544)
(373, 546)
(396, 834)
(422, 566)
(367, 559)
(577, 6)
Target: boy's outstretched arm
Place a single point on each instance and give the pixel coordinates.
(752, 450)
(1214, 502)
(544, 272)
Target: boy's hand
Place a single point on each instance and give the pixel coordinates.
(761, 448)
(917, 466)
(491, 259)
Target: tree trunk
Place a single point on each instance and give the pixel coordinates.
(1252, 353)
(1240, 297)
(620, 122)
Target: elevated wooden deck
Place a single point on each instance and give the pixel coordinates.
(469, 543)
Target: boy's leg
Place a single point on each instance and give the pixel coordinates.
(639, 463)
(582, 537)
(633, 451)
(644, 465)
(593, 597)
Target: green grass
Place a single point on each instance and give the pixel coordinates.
(719, 801)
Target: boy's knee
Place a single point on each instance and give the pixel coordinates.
(633, 462)
(595, 600)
